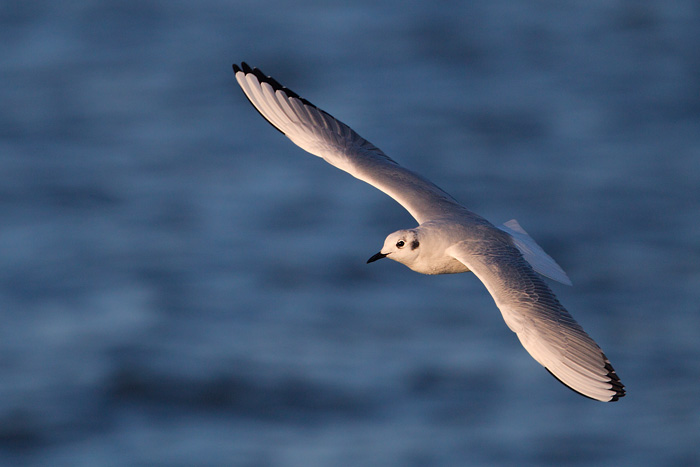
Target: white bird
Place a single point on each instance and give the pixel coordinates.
(450, 239)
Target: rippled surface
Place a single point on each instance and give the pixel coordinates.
(180, 285)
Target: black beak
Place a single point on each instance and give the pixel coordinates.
(374, 258)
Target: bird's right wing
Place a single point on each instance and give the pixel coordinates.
(322, 135)
(544, 327)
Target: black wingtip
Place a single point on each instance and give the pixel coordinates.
(245, 68)
(617, 385)
(263, 78)
(615, 382)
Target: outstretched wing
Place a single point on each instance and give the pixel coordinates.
(322, 135)
(544, 327)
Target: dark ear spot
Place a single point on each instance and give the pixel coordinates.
(414, 244)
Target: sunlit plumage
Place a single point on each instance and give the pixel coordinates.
(450, 239)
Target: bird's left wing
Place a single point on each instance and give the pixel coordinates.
(322, 135)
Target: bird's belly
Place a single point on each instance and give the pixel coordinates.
(447, 266)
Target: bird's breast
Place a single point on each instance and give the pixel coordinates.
(445, 265)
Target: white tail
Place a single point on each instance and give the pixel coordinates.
(534, 254)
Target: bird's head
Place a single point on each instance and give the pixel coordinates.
(402, 246)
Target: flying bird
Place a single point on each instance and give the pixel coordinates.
(450, 239)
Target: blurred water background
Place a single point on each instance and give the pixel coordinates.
(180, 285)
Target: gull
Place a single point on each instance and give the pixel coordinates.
(450, 239)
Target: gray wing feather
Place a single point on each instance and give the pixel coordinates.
(322, 135)
(546, 330)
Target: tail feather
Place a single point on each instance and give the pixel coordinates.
(534, 254)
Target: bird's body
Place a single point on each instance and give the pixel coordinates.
(450, 239)
(434, 238)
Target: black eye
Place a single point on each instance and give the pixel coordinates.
(400, 244)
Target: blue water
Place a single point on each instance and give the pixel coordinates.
(180, 285)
